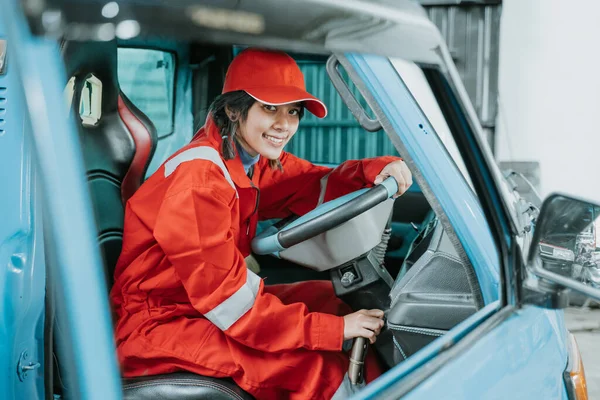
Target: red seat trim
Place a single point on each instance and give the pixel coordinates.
(143, 147)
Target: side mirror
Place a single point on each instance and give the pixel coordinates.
(563, 252)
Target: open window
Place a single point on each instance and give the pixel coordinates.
(147, 77)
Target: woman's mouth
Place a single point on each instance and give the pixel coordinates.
(273, 139)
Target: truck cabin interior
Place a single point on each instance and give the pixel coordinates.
(427, 287)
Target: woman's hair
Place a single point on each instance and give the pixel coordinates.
(237, 103)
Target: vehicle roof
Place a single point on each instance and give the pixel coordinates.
(394, 28)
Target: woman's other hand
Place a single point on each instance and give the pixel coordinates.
(399, 170)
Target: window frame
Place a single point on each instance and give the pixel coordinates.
(434, 115)
(401, 381)
(369, 73)
(174, 88)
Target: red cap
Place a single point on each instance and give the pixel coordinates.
(271, 77)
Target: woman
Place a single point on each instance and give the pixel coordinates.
(184, 297)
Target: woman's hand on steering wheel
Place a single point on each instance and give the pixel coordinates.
(363, 323)
(399, 170)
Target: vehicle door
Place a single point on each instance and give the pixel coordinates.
(502, 351)
(23, 275)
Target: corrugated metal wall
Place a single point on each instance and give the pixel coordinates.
(338, 137)
(472, 32)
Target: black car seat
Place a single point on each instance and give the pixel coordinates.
(117, 151)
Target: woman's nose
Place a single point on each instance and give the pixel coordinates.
(282, 123)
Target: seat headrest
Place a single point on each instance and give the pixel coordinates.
(99, 58)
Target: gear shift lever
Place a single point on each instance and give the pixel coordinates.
(357, 360)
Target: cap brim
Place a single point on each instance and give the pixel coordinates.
(280, 95)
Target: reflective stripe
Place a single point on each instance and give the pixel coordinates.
(323, 188)
(235, 306)
(199, 153)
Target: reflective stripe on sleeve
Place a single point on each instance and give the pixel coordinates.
(199, 153)
(235, 306)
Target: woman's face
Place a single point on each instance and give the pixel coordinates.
(268, 128)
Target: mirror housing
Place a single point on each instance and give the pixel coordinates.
(563, 253)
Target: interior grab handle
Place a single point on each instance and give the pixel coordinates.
(371, 125)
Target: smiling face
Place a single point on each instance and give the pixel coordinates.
(267, 129)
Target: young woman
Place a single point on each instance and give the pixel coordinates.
(184, 297)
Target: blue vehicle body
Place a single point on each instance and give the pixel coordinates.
(444, 178)
(22, 280)
(499, 352)
(58, 163)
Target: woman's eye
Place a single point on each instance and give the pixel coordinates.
(294, 112)
(269, 107)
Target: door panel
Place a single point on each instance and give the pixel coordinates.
(22, 276)
(68, 216)
(522, 358)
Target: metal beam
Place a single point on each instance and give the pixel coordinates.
(427, 3)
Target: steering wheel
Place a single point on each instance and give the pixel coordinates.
(323, 218)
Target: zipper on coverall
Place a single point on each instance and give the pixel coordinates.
(255, 207)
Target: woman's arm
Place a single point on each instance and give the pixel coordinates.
(302, 185)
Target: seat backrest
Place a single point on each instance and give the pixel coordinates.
(116, 150)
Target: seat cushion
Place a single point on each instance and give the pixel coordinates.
(182, 386)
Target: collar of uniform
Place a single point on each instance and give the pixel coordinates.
(234, 166)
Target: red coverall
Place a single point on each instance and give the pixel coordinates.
(184, 297)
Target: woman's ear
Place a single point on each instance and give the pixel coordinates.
(233, 116)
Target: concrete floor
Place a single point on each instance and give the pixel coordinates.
(584, 323)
